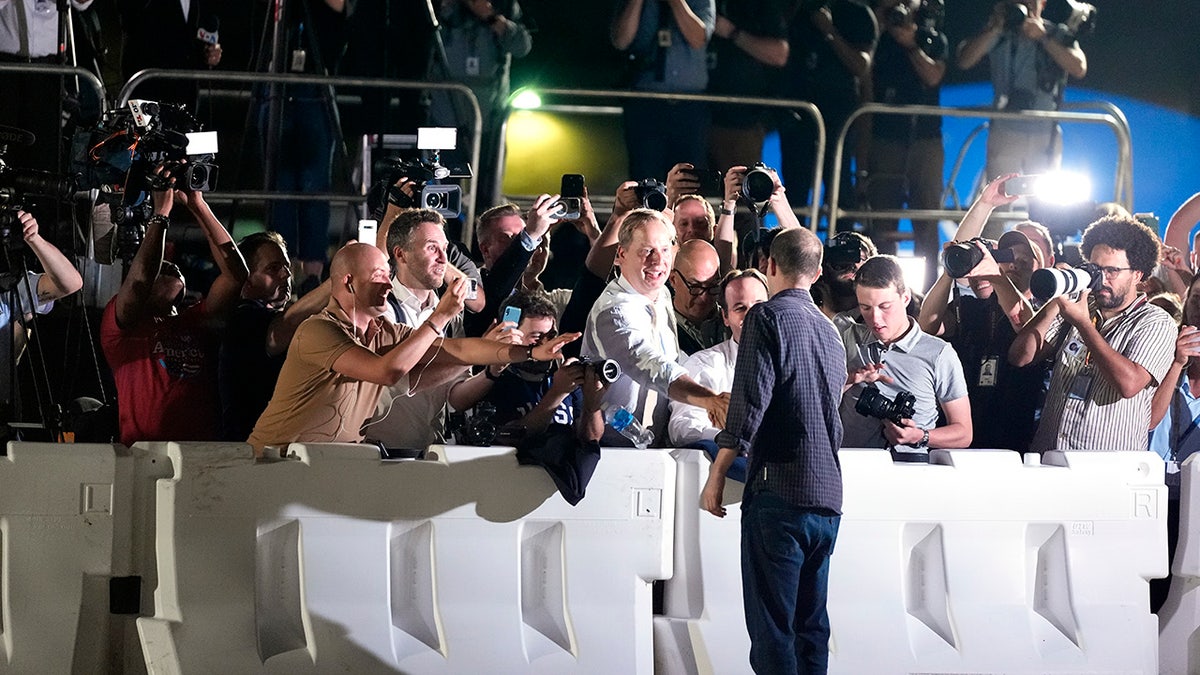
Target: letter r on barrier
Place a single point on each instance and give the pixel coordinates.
(1145, 504)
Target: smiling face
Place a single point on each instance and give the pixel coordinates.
(1120, 283)
(422, 265)
(646, 262)
(740, 295)
(883, 310)
(369, 283)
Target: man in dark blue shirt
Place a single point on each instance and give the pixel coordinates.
(784, 414)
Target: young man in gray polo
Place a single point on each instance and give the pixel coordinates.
(889, 351)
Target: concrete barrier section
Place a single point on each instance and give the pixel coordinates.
(976, 562)
(334, 560)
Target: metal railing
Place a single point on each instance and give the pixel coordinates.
(80, 74)
(1116, 122)
(790, 104)
(209, 76)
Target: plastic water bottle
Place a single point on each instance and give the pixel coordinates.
(624, 423)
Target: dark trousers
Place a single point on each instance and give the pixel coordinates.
(303, 163)
(785, 581)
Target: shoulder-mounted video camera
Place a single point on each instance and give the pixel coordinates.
(434, 187)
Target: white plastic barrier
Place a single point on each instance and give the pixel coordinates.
(56, 555)
(336, 561)
(973, 563)
(1179, 617)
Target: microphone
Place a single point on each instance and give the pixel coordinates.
(209, 29)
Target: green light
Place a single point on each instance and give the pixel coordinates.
(526, 99)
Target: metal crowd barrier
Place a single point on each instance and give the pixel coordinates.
(1114, 119)
(209, 76)
(792, 104)
(80, 74)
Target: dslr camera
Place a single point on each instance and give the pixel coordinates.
(842, 252)
(758, 184)
(872, 403)
(607, 370)
(651, 193)
(1052, 282)
(929, 16)
(961, 258)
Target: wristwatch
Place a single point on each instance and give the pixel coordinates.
(159, 219)
(923, 443)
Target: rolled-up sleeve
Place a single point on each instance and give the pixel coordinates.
(628, 336)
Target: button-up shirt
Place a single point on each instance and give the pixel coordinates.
(639, 334)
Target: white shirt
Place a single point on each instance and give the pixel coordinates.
(713, 368)
(29, 28)
(639, 334)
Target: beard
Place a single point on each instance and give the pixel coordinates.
(1113, 300)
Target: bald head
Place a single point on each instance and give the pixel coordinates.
(695, 279)
(355, 259)
(797, 254)
(361, 280)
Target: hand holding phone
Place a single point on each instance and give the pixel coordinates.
(512, 314)
(1022, 186)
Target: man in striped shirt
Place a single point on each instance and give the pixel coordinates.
(1111, 347)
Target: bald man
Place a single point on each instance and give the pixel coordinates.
(341, 358)
(695, 282)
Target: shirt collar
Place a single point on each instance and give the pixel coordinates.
(408, 299)
(906, 343)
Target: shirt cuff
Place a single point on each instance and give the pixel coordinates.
(527, 241)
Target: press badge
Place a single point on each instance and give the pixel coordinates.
(472, 65)
(987, 371)
(664, 38)
(1172, 466)
(1080, 386)
(299, 60)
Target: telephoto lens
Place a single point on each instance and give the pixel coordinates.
(1050, 282)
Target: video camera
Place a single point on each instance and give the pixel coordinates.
(872, 403)
(428, 172)
(929, 15)
(17, 188)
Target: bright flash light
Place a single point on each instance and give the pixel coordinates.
(1063, 187)
(526, 99)
(913, 269)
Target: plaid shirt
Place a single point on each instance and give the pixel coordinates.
(784, 407)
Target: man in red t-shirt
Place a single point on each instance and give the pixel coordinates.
(164, 360)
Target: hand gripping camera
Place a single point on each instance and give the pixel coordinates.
(872, 403)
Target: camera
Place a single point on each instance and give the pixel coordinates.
(1078, 18)
(758, 184)
(961, 258)
(651, 193)
(428, 175)
(1051, 283)
(479, 429)
(607, 370)
(17, 186)
(842, 252)
(1015, 14)
(872, 403)
(928, 16)
(167, 134)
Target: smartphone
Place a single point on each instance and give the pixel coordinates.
(512, 314)
(570, 196)
(711, 182)
(1022, 185)
(367, 230)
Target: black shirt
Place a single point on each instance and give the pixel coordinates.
(732, 70)
(896, 82)
(246, 374)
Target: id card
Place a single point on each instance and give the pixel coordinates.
(987, 371)
(1080, 386)
(1172, 467)
(299, 60)
(472, 66)
(664, 38)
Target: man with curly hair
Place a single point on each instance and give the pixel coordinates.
(1111, 347)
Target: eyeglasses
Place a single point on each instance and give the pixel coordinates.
(697, 288)
(1113, 271)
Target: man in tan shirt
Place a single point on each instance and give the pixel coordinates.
(341, 358)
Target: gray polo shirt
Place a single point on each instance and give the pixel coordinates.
(919, 363)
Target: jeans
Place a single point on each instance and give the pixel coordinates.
(785, 581)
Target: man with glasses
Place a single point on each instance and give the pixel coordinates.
(695, 282)
(1111, 347)
(632, 323)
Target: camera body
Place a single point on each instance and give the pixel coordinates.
(1052, 282)
(758, 184)
(17, 187)
(428, 174)
(929, 16)
(961, 258)
(607, 370)
(872, 403)
(651, 193)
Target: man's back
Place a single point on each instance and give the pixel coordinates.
(786, 388)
